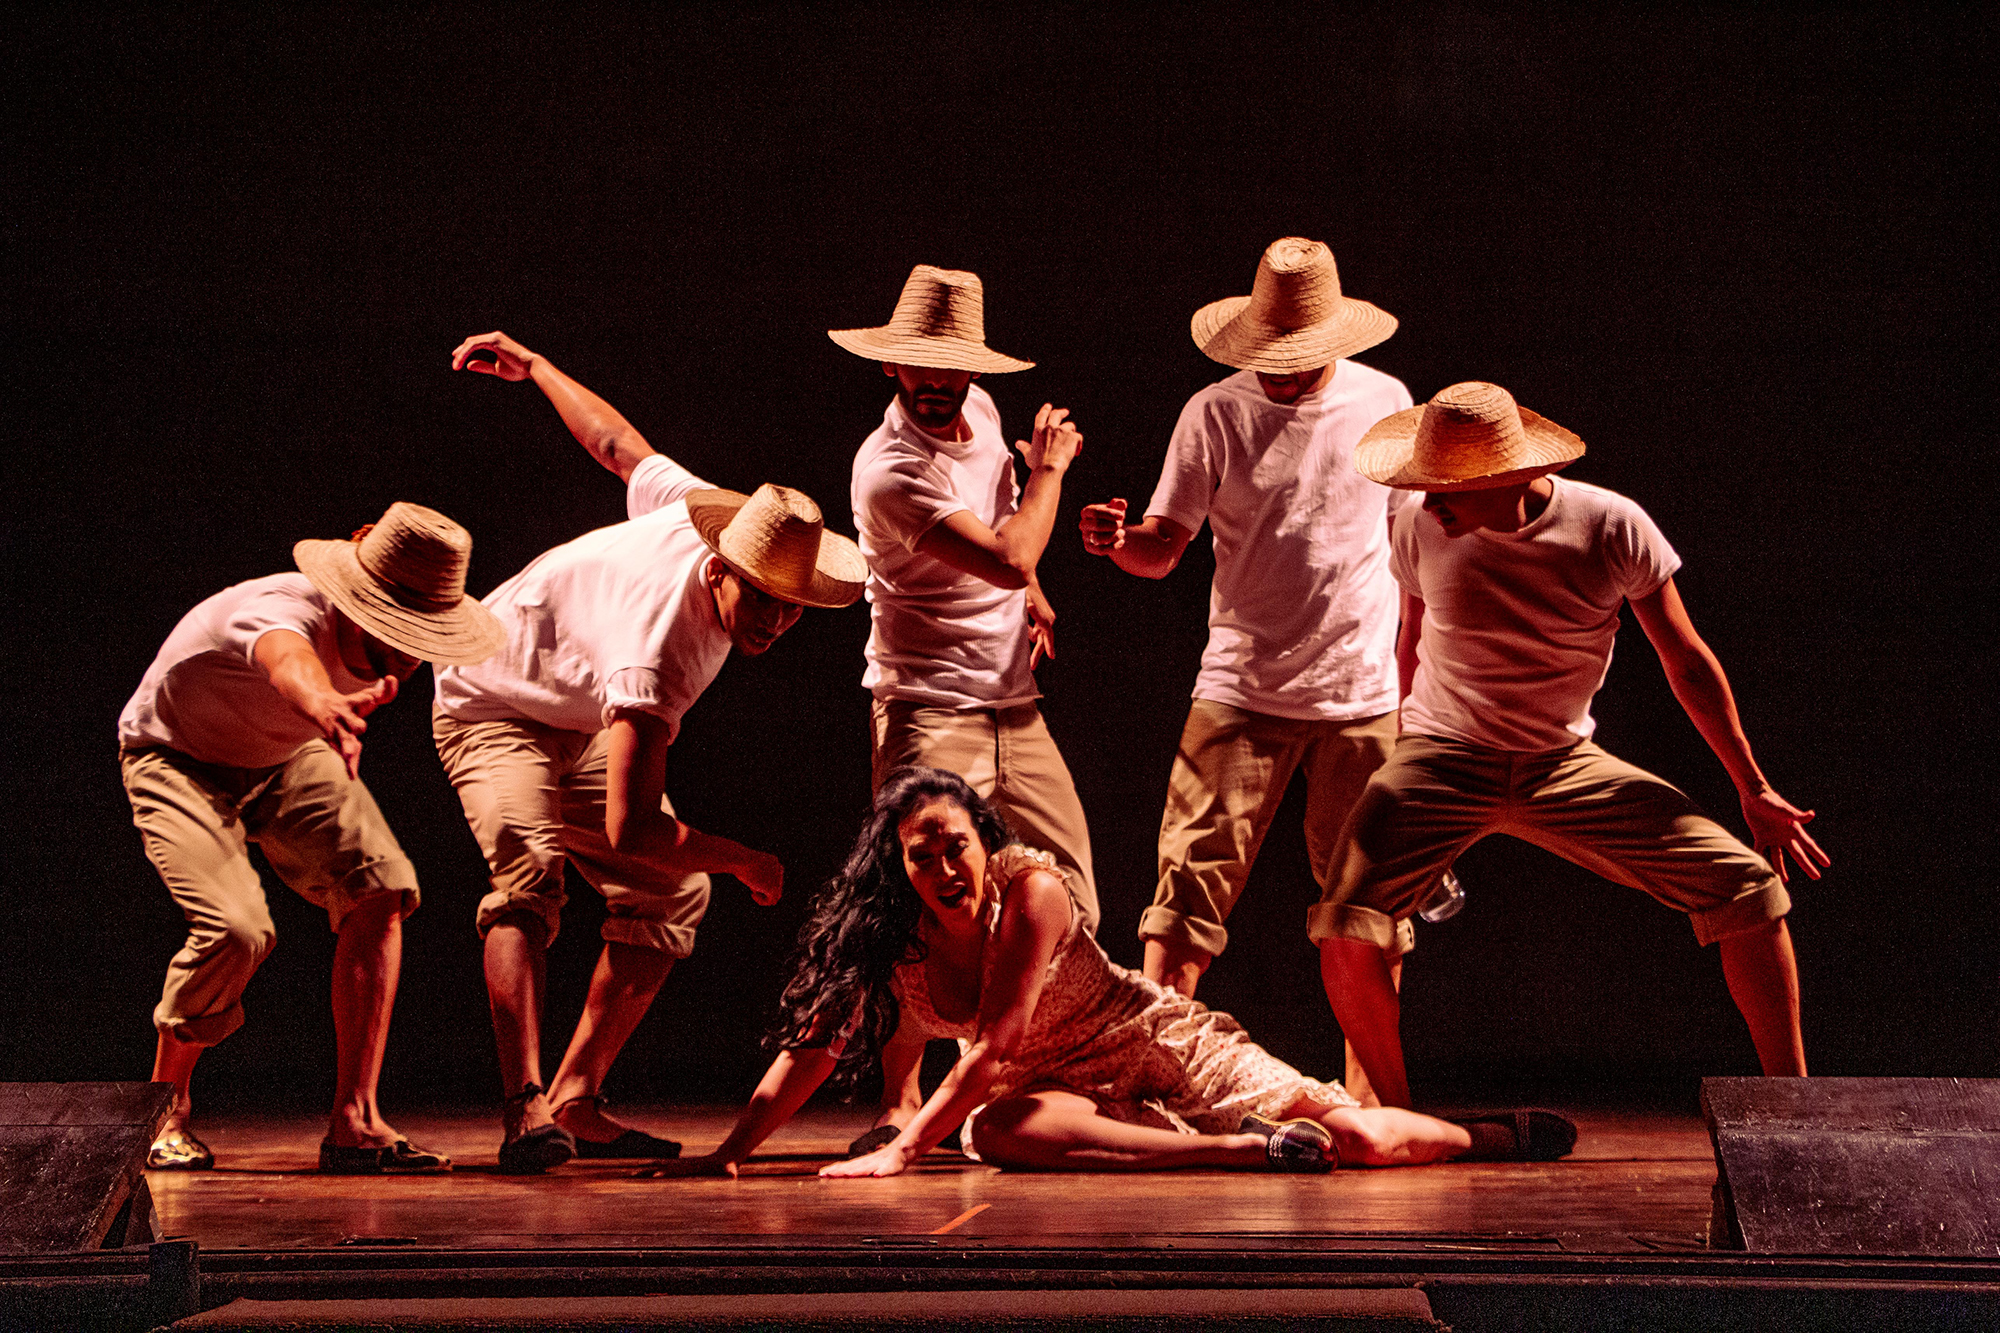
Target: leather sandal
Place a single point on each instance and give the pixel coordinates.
(401, 1158)
(1293, 1145)
(534, 1151)
(879, 1137)
(632, 1143)
(179, 1150)
(1519, 1135)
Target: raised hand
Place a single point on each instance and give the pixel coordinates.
(1777, 827)
(511, 361)
(1103, 527)
(764, 875)
(1056, 441)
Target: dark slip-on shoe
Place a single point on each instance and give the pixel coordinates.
(879, 1137)
(401, 1158)
(1293, 1145)
(1519, 1135)
(633, 1143)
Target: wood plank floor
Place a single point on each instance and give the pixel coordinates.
(1638, 1180)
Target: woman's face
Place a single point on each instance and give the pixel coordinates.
(945, 860)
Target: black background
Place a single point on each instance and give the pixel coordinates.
(1747, 256)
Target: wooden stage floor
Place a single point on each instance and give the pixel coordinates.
(1638, 1181)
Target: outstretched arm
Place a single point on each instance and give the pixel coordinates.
(287, 657)
(634, 823)
(1149, 548)
(597, 426)
(1006, 556)
(1776, 825)
(792, 1078)
(1032, 921)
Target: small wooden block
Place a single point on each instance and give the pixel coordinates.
(1855, 1165)
(72, 1156)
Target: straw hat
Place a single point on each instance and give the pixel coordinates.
(940, 324)
(1294, 317)
(403, 580)
(776, 539)
(1471, 437)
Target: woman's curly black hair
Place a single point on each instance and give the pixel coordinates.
(863, 922)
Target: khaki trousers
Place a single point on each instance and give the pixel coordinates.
(1228, 779)
(1434, 798)
(320, 830)
(534, 796)
(1008, 757)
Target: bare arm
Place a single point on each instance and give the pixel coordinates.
(608, 437)
(1776, 825)
(1149, 548)
(295, 671)
(634, 823)
(792, 1078)
(1032, 921)
(1407, 635)
(902, 1093)
(1007, 556)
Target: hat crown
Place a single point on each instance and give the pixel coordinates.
(1298, 285)
(941, 303)
(776, 533)
(1470, 429)
(419, 556)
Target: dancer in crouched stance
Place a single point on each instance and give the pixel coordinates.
(940, 926)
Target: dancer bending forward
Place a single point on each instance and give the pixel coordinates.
(939, 926)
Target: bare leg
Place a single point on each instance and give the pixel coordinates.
(367, 963)
(516, 975)
(1176, 964)
(1763, 976)
(1391, 1136)
(1361, 987)
(1063, 1131)
(173, 1062)
(1356, 1081)
(621, 990)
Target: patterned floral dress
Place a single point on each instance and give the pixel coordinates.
(1146, 1055)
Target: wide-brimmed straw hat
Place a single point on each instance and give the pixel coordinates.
(940, 323)
(1471, 437)
(1294, 318)
(777, 540)
(403, 580)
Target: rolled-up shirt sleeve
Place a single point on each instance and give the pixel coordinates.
(656, 483)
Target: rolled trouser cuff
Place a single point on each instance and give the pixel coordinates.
(202, 1030)
(1753, 910)
(672, 939)
(503, 902)
(390, 874)
(1165, 923)
(1344, 921)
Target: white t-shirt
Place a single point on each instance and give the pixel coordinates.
(1518, 626)
(936, 635)
(206, 696)
(1302, 617)
(619, 618)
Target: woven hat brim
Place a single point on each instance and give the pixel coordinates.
(1387, 454)
(932, 353)
(840, 571)
(1223, 334)
(461, 636)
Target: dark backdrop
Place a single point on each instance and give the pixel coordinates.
(1746, 256)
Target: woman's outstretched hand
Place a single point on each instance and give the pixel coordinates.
(688, 1168)
(885, 1161)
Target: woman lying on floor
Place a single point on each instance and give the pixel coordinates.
(940, 926)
